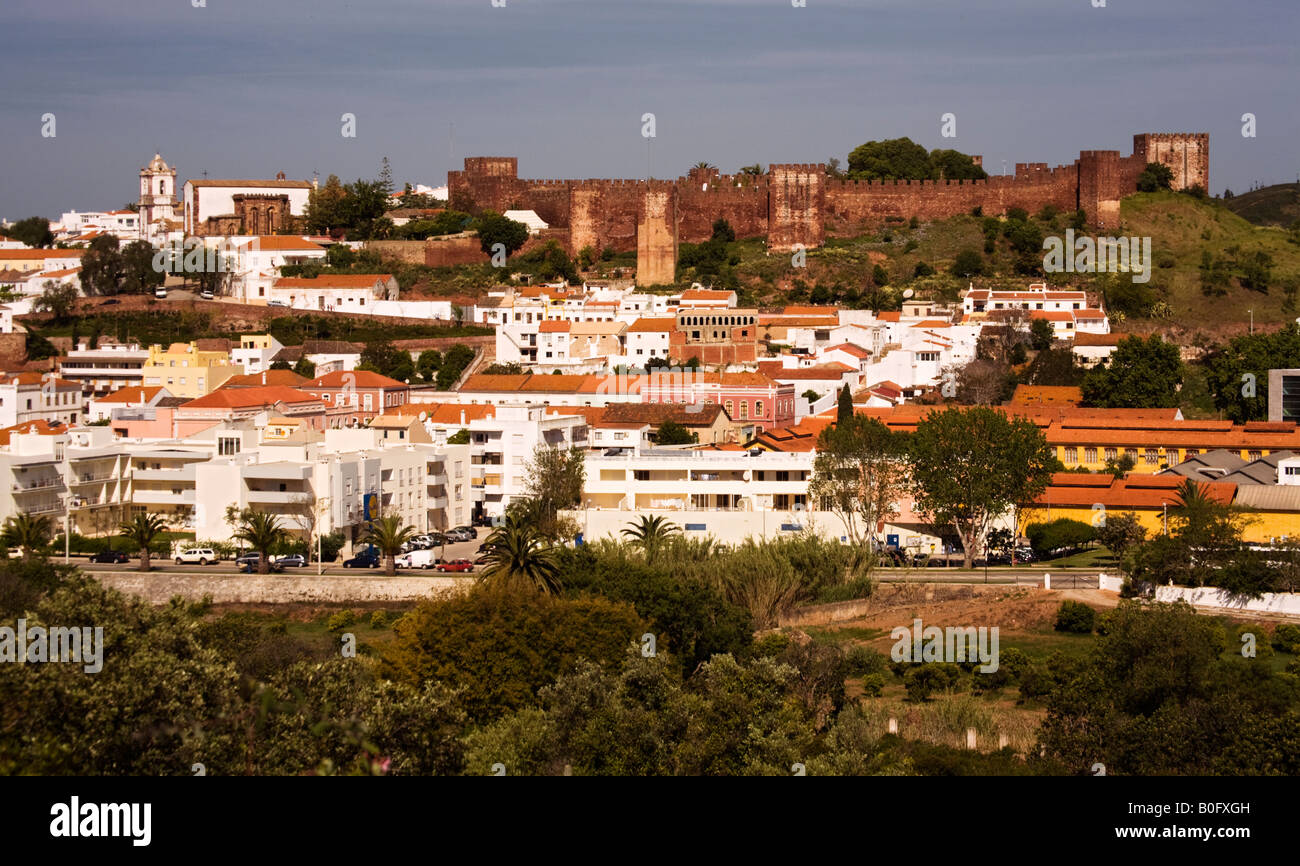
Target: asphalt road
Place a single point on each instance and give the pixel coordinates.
(461, 550)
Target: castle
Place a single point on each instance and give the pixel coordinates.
(793, 204)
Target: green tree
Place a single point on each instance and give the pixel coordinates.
(1141, 374)
(1120, 533)
(969, 466)
(844, 406)
(1237, 374)
(306, 368)
(102, 267)
(672, 433)
(426, 366)
(1154, 177)
(388, 534)
(899, 158)
(33, 231)
(968, 263)
(858, 474)
(554, 481)
(649, 533)
(324, 209)
(520, 558)
(141, 531)
(1041, 335)
(28, 533)
(261, 531)
(138, 273)
(954, 165)
(493, 229)
(57, 299)
(879, 275)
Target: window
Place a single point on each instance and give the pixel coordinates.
(744, 409)
(1111, 454)
(227, 445)
(758, 408)
(1071, 455)
(1090, 455)
(1152, 456)
(731, 409)
(1255, 455)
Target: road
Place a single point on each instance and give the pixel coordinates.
(461, 550)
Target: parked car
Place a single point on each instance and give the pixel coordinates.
(415, 559)
(473, 533)
(206, 294)
(196, 555)
(459, 535)
(456, 565)
(160, 292)
(276, 304)
(113, 556)
(293, 560)
(367, 558)
(250, 562)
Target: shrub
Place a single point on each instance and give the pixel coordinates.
(379, 620)
(863, 661)
(1075, 617)
(341, 620)
(1263, 648)
(924, 680)
(873, 685)
(1286, 637)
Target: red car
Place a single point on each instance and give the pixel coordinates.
(456, 565)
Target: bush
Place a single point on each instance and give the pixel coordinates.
(1075, 617)
(379, 619)
(341, 620)
(863, 661)
(1286, 637)
(873, 685)
(924, 680)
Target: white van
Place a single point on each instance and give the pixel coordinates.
(199, 555)
(415, 559)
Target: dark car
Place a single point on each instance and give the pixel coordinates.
(249, 562)
(364, 559)
(114, 556)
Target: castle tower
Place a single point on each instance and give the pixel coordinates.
(1099, 187)
(796, 205)
(157, 196)
(656, 236)
(1186, 153)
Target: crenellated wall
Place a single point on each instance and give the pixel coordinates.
(792, 203)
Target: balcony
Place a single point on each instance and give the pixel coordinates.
(277, 497)
(437, 502)
(38, 484)
(43, 507)
(162, 497)
(95, 479)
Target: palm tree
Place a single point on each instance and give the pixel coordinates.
(518, 556)
(650, 533)
(388, 534)
(141, 531)
(27, 533)
(260, 531)
(704, 165)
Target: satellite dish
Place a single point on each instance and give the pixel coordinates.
(424, 416)
(907, 293)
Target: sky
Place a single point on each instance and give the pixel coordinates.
(249, 88)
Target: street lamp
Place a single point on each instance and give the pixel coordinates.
(321, 509)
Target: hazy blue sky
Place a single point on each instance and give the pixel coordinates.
(246, 88)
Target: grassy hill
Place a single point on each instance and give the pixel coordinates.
(1182, 228)
(1277, 205)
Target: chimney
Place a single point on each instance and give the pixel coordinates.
(462, 416)
(263, 377)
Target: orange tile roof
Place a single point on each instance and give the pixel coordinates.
(282, 242)
(1047, 394)
(552, 326)
(30, 378)
(1132, 492)
(892, 316)
(648, 324)
(332, 281)
(849, 348)
(1052, 315)
(706, 295)
(286, 378)
(354, 379)
(40, 254)
(832, 370)
(244, 398)
(40, 426)
(131, 394)
(1083, 338)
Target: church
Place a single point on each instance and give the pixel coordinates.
(156, 209)
(245, 207)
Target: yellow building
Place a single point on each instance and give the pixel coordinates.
(1274, 510)
(188, 371)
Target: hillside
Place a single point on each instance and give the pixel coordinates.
(1277, 205)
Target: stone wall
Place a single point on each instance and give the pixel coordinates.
(281, 588)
